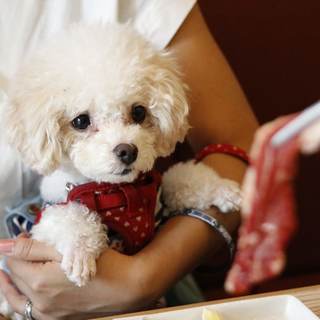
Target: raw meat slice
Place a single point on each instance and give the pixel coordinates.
(269, 212)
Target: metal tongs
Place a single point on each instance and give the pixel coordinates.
(297, 125)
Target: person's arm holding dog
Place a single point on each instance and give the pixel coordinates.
(219, 113)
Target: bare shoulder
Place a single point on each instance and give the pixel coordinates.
(193, 35)
(219, 109)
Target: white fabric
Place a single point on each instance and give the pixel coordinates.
(23, 24)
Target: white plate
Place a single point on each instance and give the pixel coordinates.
(270, 308)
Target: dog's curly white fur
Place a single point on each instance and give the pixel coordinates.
(101, 71)
(78, 235)
(190, 185)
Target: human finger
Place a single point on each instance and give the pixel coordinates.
(37, 275)
(16, 300)
(36, 293)
(248, 190)
(28, 249)
(265, 131)
(249, 181)
(21, 285)
(310, 139)
(23, 235)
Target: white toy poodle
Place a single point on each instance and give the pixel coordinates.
(98, 104)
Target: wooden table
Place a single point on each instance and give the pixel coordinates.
(310, 296)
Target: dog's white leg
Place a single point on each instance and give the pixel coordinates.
(190, 185)
(77, 234)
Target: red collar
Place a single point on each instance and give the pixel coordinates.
(126, 208)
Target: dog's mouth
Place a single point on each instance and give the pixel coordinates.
(123, 172)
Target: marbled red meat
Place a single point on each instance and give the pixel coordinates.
(269, 213)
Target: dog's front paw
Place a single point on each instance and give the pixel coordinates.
(77, 234)
(227, 196)
(79, 266)
(190, 185)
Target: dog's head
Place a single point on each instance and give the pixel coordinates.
(100, 98)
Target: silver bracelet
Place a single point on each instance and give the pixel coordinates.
(213, 222)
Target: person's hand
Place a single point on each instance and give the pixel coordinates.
(35, 271)
(260, 137)
(308, 140)
(122, 283)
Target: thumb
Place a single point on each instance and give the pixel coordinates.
(28, 249)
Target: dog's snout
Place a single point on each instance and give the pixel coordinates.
(127, 153)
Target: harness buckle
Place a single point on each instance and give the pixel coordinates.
(69, 186)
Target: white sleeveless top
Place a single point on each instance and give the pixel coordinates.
(23, 24)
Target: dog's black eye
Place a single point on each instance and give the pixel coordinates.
(138, 113)
(81, 122)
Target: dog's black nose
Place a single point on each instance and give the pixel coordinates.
(127, 153)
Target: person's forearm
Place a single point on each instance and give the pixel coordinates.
(180, 246)
(227, 166)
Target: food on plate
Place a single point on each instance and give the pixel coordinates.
(210, 315)
(206, 315)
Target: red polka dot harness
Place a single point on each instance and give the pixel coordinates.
(128, 209)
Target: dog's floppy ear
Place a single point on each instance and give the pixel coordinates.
(33, 128)
(169, 106)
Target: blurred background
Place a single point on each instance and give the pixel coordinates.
(273, 47)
